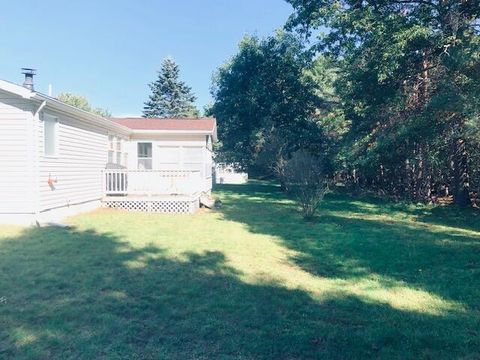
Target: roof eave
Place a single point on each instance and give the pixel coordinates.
(84, 115)
(93, 119)
(171, 132)
(63, 107)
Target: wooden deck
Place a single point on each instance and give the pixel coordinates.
(151, 182)
(162, 191)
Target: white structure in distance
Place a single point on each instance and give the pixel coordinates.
(228, 174)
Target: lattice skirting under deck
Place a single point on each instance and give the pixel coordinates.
(159, 206)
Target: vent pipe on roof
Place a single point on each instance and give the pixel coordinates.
(29, 73)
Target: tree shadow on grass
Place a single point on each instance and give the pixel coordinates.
(356, 239)
(82, 294)
(466, 219)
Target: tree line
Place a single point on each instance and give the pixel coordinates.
(384, 94)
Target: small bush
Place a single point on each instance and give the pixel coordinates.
(305, 178)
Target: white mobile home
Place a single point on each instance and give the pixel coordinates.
(57, 160)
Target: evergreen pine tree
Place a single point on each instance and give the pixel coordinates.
(170, 98)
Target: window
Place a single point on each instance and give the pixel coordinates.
(144, 156)
(116, 153)
(119, 158)
(111, 139)
(50, 128)
(111, 150)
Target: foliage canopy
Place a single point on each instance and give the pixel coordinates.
(82, 103)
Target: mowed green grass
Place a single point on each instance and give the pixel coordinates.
(253, 280)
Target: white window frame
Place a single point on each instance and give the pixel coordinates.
(145, 158)
(116, 150)
(49, 118)
(118, 158)
(111, 140)
(110, 157)
(111, 149)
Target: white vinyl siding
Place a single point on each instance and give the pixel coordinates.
(208, 163)
(81, 156)
(16, 156)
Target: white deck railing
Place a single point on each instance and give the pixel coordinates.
(151, 182)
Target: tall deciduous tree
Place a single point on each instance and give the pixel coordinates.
(409, 82)
(265, 104)
(170, 97)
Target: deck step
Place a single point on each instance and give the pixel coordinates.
(207, 201)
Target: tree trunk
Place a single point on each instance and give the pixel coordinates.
(419, 177)
(460, 185)
(407, 186)
(356, 181)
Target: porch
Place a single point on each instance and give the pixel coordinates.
(164, 191)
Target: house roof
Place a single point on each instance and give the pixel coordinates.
(182, 125)
(59, 106)
(124, 126)
(200, 124)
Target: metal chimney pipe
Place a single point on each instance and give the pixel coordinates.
(29, 73)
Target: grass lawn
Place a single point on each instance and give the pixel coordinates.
(366, 279)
